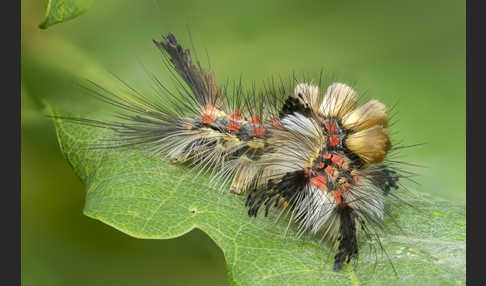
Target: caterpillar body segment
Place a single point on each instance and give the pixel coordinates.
(325, 167)
(315, 155)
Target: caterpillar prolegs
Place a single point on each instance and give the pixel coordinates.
(291, 146)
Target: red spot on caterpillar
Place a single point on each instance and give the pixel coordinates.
(329, 170)
(337, 196)
(327, 156)
(256, 120)
(330, 127)
(236, 115)
(210, 114)
(233, 126)
(320, 182)
(338, 160)
(333, 140)
(207, 118)
(307, 173)
(260, 132)
(356, 179)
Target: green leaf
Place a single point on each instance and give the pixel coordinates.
(147, 197)
(58, 11)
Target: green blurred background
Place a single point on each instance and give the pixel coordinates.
(411, 53)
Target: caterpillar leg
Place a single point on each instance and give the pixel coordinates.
(387, 179)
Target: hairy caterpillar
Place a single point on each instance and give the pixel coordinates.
(291, 146)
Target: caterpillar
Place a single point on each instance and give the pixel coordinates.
(317, 156)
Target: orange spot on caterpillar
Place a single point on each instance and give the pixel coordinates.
(330, 127)
(235, 117)
(346, 186)
(256, 120)
(207, 118)
(337, 196)
(345, 166)
(320, 182)
(321, 165)
(356, 179)
(233, 126)
(333, 140)
(338, 160)
(329, 170)
(258, 132)
(327, 156)
(276, 123)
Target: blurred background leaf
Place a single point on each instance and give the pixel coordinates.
(408, 53)
(58, 11)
